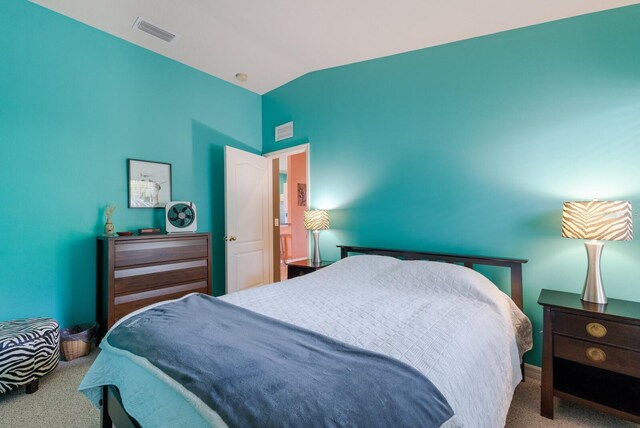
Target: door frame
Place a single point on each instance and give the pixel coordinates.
(301, 148)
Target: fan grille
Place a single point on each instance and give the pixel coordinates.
(181, 215)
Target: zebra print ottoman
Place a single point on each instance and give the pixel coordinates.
(29, 349)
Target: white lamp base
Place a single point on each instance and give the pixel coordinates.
(593, 289)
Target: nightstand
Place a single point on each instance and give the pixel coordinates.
(303, 267)
(591, 354)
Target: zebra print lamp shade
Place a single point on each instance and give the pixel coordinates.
(316, 220)
(596, 221)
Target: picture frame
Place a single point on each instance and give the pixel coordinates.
(302, 194)
(149, 183)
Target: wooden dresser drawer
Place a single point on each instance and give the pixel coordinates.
(598, 330)
(597, 355)
(126, 304)
(159, 251)
(134, 279)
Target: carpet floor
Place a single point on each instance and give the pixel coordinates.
(58, 404)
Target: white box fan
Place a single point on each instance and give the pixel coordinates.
(180, 216)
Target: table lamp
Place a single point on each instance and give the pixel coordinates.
(596, 221)
(316, 220)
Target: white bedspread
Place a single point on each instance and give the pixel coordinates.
(447, 321)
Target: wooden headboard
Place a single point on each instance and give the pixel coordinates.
(514, 265)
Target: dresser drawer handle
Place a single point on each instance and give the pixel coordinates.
(596, 329)
(596, 355)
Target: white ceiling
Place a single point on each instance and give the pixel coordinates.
(276, 41)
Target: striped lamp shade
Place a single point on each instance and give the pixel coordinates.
(316, 220)
(597, 220)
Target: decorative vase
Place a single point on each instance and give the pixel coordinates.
(108, 227)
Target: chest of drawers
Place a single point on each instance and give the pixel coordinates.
(591, 354)
(136, 271)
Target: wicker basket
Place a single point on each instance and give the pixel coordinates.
(76, 341)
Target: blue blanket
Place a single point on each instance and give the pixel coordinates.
(257, 371)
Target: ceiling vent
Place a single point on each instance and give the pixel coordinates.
(284, 131)
(154, 30)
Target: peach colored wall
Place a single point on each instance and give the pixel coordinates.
(297, 173)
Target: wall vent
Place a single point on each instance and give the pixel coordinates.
(154, 30)
(284, 131)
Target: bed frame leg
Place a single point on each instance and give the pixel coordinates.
(105, 419)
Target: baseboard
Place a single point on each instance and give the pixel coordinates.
(532, 372)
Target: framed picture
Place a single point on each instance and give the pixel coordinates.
(149, 183)
(302, 194)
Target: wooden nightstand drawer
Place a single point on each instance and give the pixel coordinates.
(598, 330)
(594, 354)
(303, 267)
(295, 271)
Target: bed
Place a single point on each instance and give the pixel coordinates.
(443, 320)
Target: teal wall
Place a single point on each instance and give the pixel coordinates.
(75, 103)
(472, 147)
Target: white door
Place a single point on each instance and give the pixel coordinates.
(248, 219)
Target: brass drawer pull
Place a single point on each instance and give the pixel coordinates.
(596, 329)
(596, 355)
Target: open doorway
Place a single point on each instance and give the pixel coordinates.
(293, 186)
